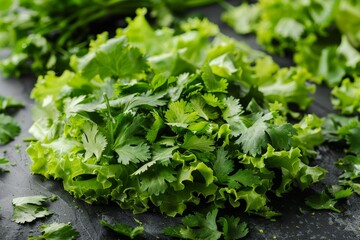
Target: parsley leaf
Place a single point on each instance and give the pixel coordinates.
(233, 228)
(123, 229)
(201, 226)
(197, 226)
(202, 144)
(222, 165)
(137, 153)
(261, 132)
(27, 209)
(56, 231)
(155, 181)
(180, 114)
(130, 61)
(322, 201)
(9, 129)
(94, 142)
(328, 198)
(350, 165)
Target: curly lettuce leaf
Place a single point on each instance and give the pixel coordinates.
(346, 97)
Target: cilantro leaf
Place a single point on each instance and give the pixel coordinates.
(130, 61)
(56, 231)
(9, 129)
(212, 83)
(260, 133)
(203, 144)
(328, 197)
(156, 126)
(222, 165)
(180, 114)
(277, 134)
(160, 155)
(197, 226)
(136, 153)
(94, 142)
(201, 226)
(124, 229)
(27, 209)
(337, 128)
(156, 181)
(204, 111)
(245, 177)
(350, 165)
(322, 201)
(233, 228)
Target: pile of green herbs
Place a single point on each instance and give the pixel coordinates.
(323, 36)
(171, 119)
(42, 35)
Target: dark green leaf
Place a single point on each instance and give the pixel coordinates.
(56, 231)
(124, 229)
(9, 129)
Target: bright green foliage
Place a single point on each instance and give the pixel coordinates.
(322, 201)
(261, 132)
(328, 198)
(337, 128)
(56, 231)
(94, 143)
(27, 209)
(194, 123)
(42, 35)
(243, 18)
(342, 129)
(309, 134)
(350, 177)
(123, 229)
(6, 103)
(346, 97)
(232, 228)
(209, 226)
(6, 4)
(129, 63)
(3, 161)
(9, 129)
(323, 35)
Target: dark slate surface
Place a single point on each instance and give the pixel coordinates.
(297, 221)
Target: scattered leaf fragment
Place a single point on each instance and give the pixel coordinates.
(27, 209)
